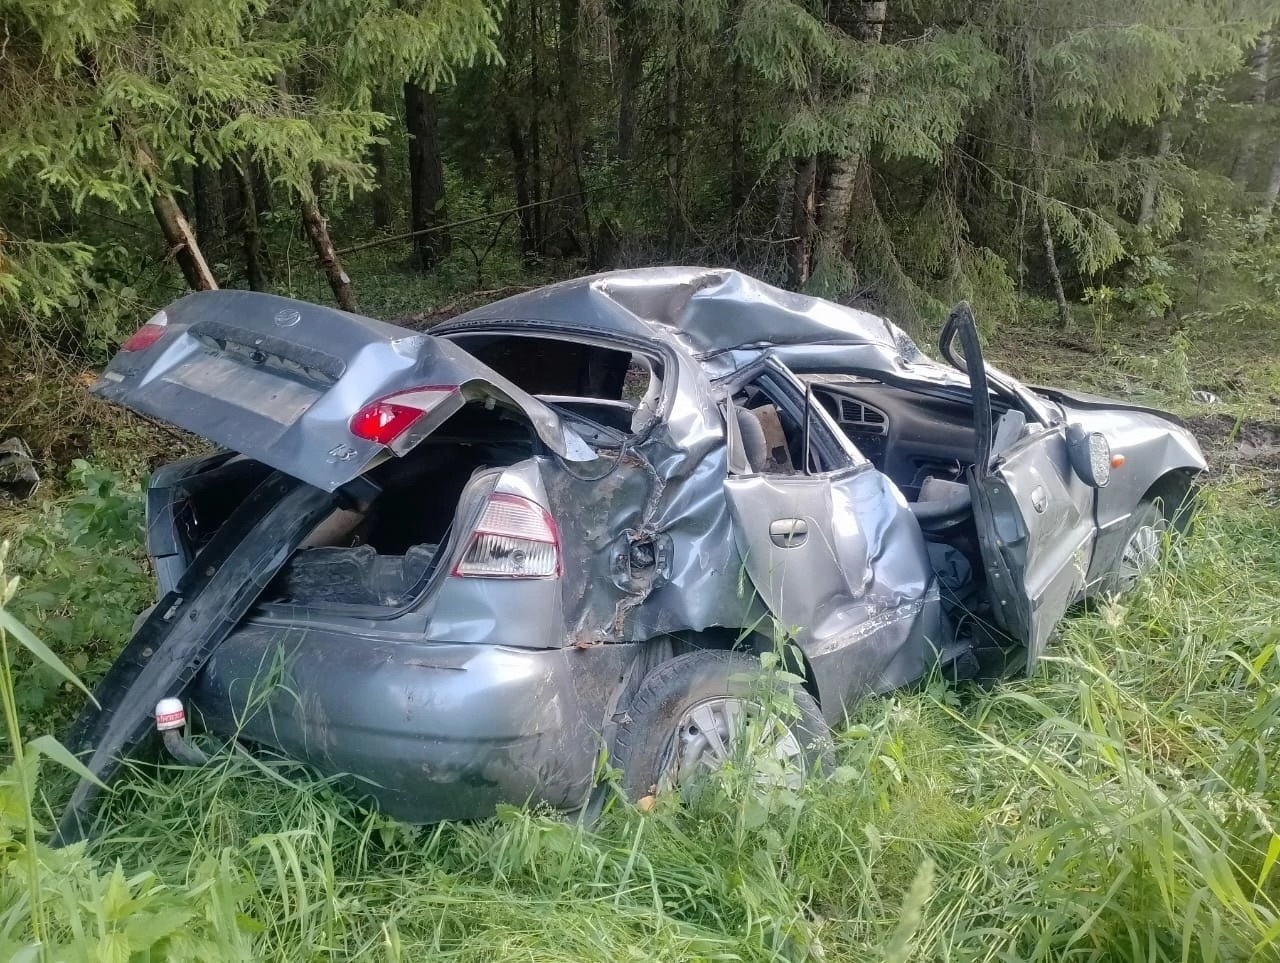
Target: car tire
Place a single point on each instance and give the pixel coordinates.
(660, 728)
(1141, 548)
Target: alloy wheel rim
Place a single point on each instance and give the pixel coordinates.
(711, 733)
(1141, 553)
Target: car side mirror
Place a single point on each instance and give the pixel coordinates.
(1090, 455)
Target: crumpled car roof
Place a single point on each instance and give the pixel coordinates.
(707, 310)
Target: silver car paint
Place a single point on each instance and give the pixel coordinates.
(856, 595)
(483, 685)
(286, 396)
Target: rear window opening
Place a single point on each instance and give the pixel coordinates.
(385, 554)
(617, 389)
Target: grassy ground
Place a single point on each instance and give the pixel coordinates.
(1120, 805)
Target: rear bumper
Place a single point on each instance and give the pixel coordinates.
(426, 731)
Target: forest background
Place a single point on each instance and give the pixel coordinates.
(1099, 179)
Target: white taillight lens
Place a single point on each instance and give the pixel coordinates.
(515, 538)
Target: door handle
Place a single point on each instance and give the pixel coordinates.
(788, 532)
(1039, 499)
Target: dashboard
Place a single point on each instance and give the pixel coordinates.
(866, 425)
(907, 435)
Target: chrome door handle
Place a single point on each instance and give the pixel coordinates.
(788, 532)
(1039, 499)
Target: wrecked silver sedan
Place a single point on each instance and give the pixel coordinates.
(455, 568)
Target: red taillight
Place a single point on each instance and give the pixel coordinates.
(383, 421)
(515, 538)
(388, 418)
(148, 334)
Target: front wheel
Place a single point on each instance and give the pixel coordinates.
(699, 711)
(1141, 551)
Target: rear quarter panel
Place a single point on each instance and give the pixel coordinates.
(427, 730)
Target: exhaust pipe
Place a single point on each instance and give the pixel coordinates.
(171, 718)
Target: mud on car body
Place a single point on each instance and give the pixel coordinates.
(451, 568)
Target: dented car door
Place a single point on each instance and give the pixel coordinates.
(1035, 527)
(1034, 513)
(840, 563)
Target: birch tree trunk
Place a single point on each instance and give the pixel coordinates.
(867, 25)
(174, 225)
(317, 226)
(1051, 261)
(1259, 67)
(800, 251)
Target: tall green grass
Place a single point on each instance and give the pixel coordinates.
(1119, 806)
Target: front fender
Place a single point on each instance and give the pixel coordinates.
(1160, 458)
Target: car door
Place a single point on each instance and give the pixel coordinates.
(837, 559)
(1034, 513)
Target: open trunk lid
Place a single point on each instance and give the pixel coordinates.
(311, 391)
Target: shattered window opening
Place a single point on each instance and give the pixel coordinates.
(770, 429)
(616, 388)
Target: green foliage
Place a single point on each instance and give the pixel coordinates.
(784, 42)
(1231, 276)
(1120, 805)
(59, 903)
(89, 86)
(965, 124)
(85, 582)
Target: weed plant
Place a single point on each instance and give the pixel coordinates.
(1121, 805)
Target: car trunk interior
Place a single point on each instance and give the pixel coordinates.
(383, 552)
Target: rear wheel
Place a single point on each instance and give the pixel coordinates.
(699, 711)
